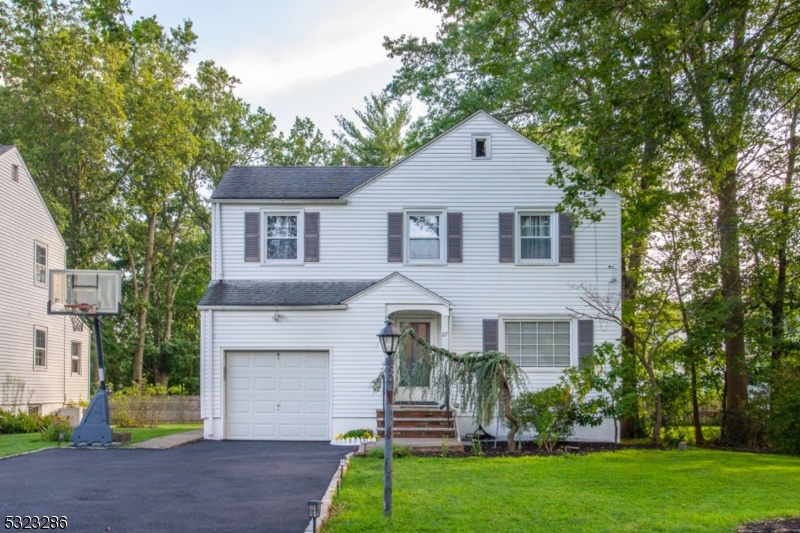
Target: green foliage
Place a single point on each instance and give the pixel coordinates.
(55, 430)
(363, 433)
(783, 425)
(552, 413)
(398, 452)
(381, 142)
(19, 422)
(137, 406)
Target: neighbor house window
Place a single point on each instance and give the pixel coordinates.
(538, 344)
(40, 267)
(40, 348)
(15, 172)
(75, 362)
(282, 237)
(481, 147)
(425, 237)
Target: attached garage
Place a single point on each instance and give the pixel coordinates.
(273, 395)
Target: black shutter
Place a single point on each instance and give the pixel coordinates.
(252, 241)
(455, 230)
(395, 238)
(312, 238)
(490, 332)
(506, 237)
(566, 239)
(585, 342)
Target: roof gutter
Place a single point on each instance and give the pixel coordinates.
(280, 201)
(335, 307)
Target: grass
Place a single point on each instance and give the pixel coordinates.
(27, 442)
(625, 491)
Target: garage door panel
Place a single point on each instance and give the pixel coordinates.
(277, 397)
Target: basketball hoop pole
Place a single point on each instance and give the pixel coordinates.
(94, 429)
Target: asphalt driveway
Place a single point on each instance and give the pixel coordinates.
(206, 486)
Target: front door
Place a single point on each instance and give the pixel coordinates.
(412, 388)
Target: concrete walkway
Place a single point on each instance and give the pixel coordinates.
(170, 441)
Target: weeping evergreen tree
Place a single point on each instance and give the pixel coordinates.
(483, 383)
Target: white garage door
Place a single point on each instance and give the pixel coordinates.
(277, 396)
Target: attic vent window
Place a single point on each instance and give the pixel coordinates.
(481, 147)
(15, 172)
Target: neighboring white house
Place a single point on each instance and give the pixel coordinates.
(459, 240)
(38, 350)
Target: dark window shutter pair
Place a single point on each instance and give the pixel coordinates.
(566, 238)
(252, 237)
(455, 239)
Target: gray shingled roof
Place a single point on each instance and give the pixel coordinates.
(281, 293)
(295, 183)
(6, 148)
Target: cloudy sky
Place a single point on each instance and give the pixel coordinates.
(314, 58)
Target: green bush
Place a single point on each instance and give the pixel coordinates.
(783, 424)
(397, 452)
(19, 422)
(551, 412)
(51, 431)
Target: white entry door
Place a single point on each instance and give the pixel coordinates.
(277, 396)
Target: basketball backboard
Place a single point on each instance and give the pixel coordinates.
(85, 292)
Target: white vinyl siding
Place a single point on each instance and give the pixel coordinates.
(541, 344)
(24, 222)
(40, 264)
(39, 348)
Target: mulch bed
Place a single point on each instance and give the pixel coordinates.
(489, 449)
(789, 525)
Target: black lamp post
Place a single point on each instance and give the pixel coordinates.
(389, 337)
(313, 513)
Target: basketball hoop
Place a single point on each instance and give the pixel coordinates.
(78, 311)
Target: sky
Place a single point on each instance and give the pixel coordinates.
(309, 58)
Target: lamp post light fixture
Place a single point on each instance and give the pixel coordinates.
(313, 513)
(342, 464)
(389, 337)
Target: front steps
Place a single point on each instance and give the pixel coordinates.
(420, 422)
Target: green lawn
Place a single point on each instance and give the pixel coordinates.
(625, 491)
(26, 442)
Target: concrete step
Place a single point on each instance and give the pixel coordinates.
(420, 423)
(422, 445)
(417, 413)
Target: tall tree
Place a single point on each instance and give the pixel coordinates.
(379, 139)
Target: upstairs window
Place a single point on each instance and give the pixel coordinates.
(40, 264)
(75, 361)
(425, 242)
(535, 237)
(14, 172)
(282, 237)
(481, 146)
(40, 348)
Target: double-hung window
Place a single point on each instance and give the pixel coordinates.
(40, 264)
(40, 348)
(541, 344)
(283, 241)
(536, 241)
(75, 361)
(426, 243)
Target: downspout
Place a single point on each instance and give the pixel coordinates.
(64, 349)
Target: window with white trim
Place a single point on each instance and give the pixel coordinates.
(536, 237)
(481, 146)
(40, 264)
(75, 358)
(40, 347)
(425, 241)
(283, 237)
(541, 344)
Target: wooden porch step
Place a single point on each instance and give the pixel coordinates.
(417, 413)
(420, 433)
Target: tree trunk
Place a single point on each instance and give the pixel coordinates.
(507, 399)
(144, 299)
(629, 286)
(651, 375)
(734, 430)
(698, 430)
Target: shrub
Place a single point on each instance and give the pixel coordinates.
(551, 412)
(783, 425)
(357, 434)
(138, 406)
(397, 452)
(51, 431)
(19, 422)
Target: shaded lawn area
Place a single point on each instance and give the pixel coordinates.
(630, 490)
(27, 442)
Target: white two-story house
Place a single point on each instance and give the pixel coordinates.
(459, 240)
(44, 362)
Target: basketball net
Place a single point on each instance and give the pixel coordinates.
(79, 311)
